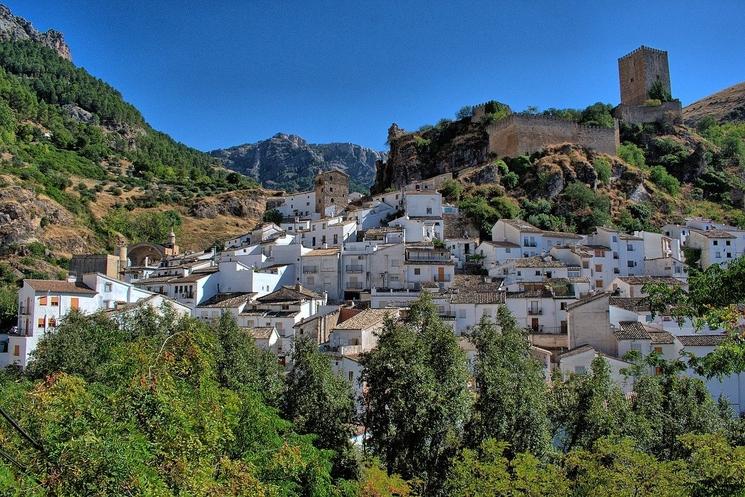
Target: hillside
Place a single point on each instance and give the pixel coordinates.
(82, 171)
(722, 106)
(288, 162)
(661, 174)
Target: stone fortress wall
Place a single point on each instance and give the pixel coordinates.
(639, 70)
(521, 134)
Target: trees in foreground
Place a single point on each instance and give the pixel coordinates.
(149, 404)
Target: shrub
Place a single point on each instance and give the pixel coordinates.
(632, 154)
(464, 112)
(603, 169)
(664, 180)
(502, 167)
(452, 190)
(659, 92)
(510, 180)
(273, 216)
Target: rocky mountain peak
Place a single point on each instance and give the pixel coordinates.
(14, 28)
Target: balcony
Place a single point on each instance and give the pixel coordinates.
(354, 269)
(535, 312)
(428, 258)
(310, 269)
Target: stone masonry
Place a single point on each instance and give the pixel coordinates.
(332, 189)
(519, 134)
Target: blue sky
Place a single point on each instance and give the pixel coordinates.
(215, 74)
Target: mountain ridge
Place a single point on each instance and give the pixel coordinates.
(288, 161)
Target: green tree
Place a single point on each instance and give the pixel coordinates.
(668, 406)
(241, 364)
(452, 190)
(658, 92)
(617, 469)
(273, 216)
(319, 402)
(663, 179)
(487, 472)
(511, 389)
(417, 399)
(587, 407)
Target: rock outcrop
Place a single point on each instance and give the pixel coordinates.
(14, 28)
(241, 203)
(289, 162)
(449, 147)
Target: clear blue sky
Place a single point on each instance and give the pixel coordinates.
(221, 73)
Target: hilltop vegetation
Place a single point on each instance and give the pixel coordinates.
(73, 153)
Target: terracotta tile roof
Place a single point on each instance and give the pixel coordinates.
(715, 233)
(635, 304)
(641, 280)
(587, 300)
(701, 340)
(225, 300)
(502, 244)
(536, 261)
(660, 337)
(577, 350)
(289, 294)
(562, 234)
(522, 225)
(322, 251)
(260, 332)
(467, 297)
(366, 319)
(60, 286)
(631, 330)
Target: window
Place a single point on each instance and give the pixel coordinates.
(629, 247)
(718, 255)
(429, 210)
(42, 301)
(598, 283)
(41, 323)
(16, 350)
(107, 287)
(537, 273)
(351, 376)
(599, 253)
(508, 250)
(417, 271)
(728, 243)
(54, 301)
(615, 238)
(716, 242)
(75, 303)
(336, 239)
(598, 268)
(729, 255)
(585, 264)
(631, 263)
(52, 323)
(563, 306)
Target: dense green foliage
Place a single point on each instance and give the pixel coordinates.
(63, 126)
(597, 114)
(417, 399)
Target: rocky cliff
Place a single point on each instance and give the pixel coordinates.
(447, 147)
(722, 106)
(289, 162)
(13, 28)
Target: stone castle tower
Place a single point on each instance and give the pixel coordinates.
(639, 70)
(332, 192)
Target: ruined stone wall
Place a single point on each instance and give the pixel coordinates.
(668, 112)
(522, 134)
(639, 70)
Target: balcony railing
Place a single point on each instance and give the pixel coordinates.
(530, 244)
(310, 269)
(354, 269)
(535, 312)
(428, 258)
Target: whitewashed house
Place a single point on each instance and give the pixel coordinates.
(321, 272)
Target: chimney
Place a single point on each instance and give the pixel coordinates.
(72, 278)
(298, 287)
(123, 257)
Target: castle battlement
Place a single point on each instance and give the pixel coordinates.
(644, 48)
(521, 134)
